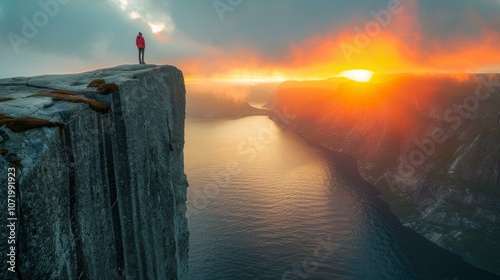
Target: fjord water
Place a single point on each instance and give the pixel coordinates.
(265, 204)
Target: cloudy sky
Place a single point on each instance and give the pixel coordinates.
(251, 38)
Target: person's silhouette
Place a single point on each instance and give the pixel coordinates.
(141, 45)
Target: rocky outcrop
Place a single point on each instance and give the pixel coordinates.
(431, 144)
(102, 194)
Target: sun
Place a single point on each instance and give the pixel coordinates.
(357, 75)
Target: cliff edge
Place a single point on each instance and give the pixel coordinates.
(93, 183)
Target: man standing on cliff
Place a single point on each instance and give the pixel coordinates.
(141, 45)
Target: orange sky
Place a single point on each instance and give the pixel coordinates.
(398, 47)
(257, 40)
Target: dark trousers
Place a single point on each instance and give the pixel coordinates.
(141, 55)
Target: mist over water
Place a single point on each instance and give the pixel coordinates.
(265, 204)
(226, 99)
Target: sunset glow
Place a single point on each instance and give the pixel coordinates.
(156, 28)
(392, 50)
(246, 139)
(253, 80)
(357, 75)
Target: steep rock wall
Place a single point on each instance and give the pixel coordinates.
(104, 196)
(431, 144)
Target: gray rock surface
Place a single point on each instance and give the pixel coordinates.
(104, 197)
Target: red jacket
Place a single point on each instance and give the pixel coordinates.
(140, 42)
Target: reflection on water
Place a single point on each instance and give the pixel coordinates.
(264, 204)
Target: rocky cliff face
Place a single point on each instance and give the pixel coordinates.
(99, 189)
(431, 144)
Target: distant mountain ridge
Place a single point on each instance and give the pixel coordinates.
(215, 106)
(430, 143)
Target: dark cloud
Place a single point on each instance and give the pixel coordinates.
(267, 26)
(83, 29)
(459, 18)
(73, 30)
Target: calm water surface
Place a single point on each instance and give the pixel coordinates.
(265, 204)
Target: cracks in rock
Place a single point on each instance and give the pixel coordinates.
(106, 148)
(12, 158)
(18, 228)
(26, 84)
(498, 173)
(10, 84)
(36, 86)
(73, 203)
